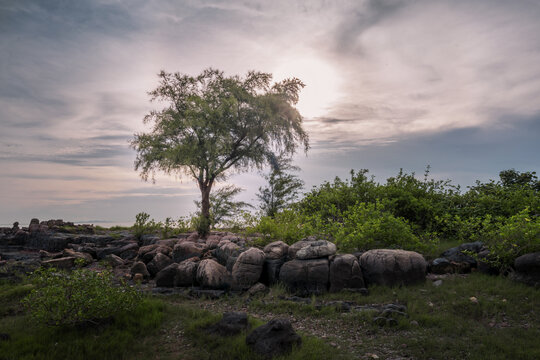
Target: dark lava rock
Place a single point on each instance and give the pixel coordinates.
(231, 324)
(275, 338)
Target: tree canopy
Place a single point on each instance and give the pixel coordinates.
(213, 124)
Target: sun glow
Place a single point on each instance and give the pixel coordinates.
(321, 80)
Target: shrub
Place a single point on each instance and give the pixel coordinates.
(518, 235)
(143, 225)
(80, 297)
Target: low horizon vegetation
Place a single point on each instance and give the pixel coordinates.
(405, 212)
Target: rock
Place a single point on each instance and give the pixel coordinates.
(158, 263)
(276, 250)
(114, 260)
(212, 241)
(186, 250)
(443, 266)
(231, 260)
(158, 249)
(87, 258)
(437, 283)
(226, 249)
(166, 277)
(140, 268)
(527, 269)
(167, 242)
(483, 264)
(61, 263)
(392, 267)
(294, 248)
(138, 278)
(275, 338)
(463, 262)
(271, 268)
(205, 293)
(248, 268)
(103, 253)
(187, 273)
(257, 289)
(305, 277)
(231, 324)
(212, 275)
(316, 250)
(345, 272)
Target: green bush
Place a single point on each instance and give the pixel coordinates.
(79, 297)
(518, 235)
(366, 226)
(143, 225)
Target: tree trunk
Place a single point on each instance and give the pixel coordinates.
(204, 224)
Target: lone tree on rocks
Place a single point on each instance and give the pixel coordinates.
(213, 124)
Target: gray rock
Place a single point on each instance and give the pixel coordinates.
(212, 275)
(276, 250)
(305, 277)
(257, 289)
(248, 268)
(114, 260)
(527, 269)
(392, 267)
(187, 273)
(186, 250)
(140, 268)
(345, 272)
(316, 250)
(166, 277)
(232, 323)
(275, 338)
(61, 263)
(158, 263)
(225, 250)
(294, 248)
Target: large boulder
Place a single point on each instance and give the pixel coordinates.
(60, 263)
(275, 338)
(186, 250)
(527, 269)
(345, 273)
(226, 249)
(459, 259)
(158, 263)
(212, 275)
(294, 248)
(248, 268)
(187, 273)
(165, 278)
(87, 258)
(316, 250)
(392, 267)
(114, 260)
(305, 277)
(276, 250)
(140, 268)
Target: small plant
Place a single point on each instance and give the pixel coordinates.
(143, 225)
(79, 297)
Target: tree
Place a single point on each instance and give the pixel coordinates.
(213, 124)
(282, 187)
(222, 205)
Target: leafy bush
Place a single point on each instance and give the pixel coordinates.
(79, 297)
(518, 235)
(143, 225)
(366, 226)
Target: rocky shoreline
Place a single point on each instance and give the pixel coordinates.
(226, 262)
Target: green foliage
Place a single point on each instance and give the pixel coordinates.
(212, 124)
(509, 239)
(79, 297)
(223, 209)
(170, 227)
(143, 225)
(282, 187)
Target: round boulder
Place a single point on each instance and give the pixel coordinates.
(276, 250)
(212, 275)
(140, 268)
(305, 277)
(393, 267)
(158, 263)
(345, 273)
(187, 273)
(248, 268)
(186, 250)
(316, 250)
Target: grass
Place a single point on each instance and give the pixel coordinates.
(443, 323)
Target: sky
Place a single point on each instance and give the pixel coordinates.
(390, 84)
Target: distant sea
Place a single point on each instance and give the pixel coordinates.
(103, 223)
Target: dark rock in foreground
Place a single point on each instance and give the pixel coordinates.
(275, 338)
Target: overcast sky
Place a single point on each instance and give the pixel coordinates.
(389, 84)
